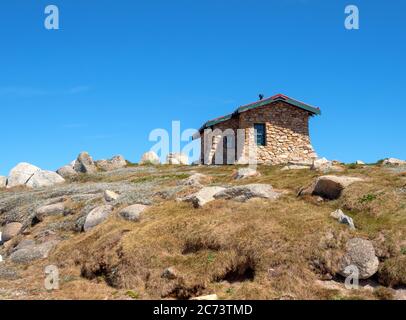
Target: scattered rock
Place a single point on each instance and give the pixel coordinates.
(246, 192)
(150, 157)
(117, 162)
(10, 230)
(203, 196)
(3, 182)
(84, 164)
(44, 178)
(359, 253)
(23, 244)
(329, 187)
(133, 212)
(66, 171)
(8, 273)
(393, 162)
(196, 180)
(97, 216)
(342, 218)
(400, 294)
(32, 252)
(177, 158)
(20, 174)
(322, 164)
(244, 173)
(50, 210)
(208, 297)
(360, 162)
(110, 195)
(170, 273)
(294, 167)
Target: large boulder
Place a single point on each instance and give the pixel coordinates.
(393, 162)
(85, 164)
(246, 192)
(133, 212)
(244, 173)
(10, 230)
(33, 252)
(66, 171)
(361, 254)
(117, 162)
(150, 157)
(343, 218)
(203, 196)
(20, 174)
(329, 187)
(177, 158)
(56, 209)
(97, 216)
(3, 182)
(44, 178)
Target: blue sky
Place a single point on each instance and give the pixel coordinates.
(118, 69)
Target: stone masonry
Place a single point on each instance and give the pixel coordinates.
(286, 132)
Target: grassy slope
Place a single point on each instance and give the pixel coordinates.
(256, 250)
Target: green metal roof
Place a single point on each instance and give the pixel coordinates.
(264, 102)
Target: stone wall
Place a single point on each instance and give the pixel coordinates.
(287, 134)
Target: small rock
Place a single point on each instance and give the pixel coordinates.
(359, 253)
(329, 187)
(133, 212)
(20, 174)
(393, 162)
(196, 180)
(23, 244)
(10, 230)
(117, 162)
(31, 253)
(170, 273)
(97, 216)
(177, 158)
(150, 157)
(246, 192)
(50, 210)
(294, 167)
(244, 173)
(85, 164)
(110, 196)
(44, 178)
(203, 196)
(3, 182)
(66, 171)
(342, 218)
(208, 297)
(322, 164)
(8, 273)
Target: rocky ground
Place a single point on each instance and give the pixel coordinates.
(179, 232)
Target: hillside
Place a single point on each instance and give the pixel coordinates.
(283, 246)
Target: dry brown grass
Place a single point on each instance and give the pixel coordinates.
(260, 249)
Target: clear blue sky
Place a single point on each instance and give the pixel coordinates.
(118, 69)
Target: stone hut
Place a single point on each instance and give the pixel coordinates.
(269, 131)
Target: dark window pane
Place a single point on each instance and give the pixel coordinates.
(260, 134)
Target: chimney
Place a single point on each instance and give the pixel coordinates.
(261, 96)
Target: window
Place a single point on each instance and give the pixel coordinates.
(260, 134)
